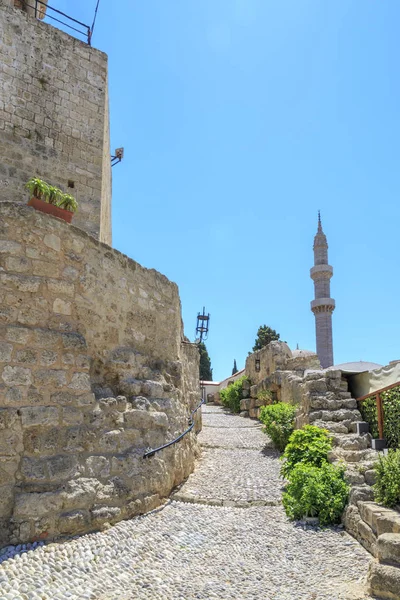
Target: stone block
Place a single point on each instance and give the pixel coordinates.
(58, 286)
(20, 335)
(370, 477)
(384, 581)
(50, 377)
(8, 468)
(16, 375)
(37, 505)
(153, 389)
(61, 307)
(45, 416)
(72, 416)
(10, 247)
(10, 442)
(389, 548)
(9, 418)
(367, 537)
(98, 466)
(104, 514)
(245, 404)
(52, 241)
(73, 522)
(388, 522)
(43, 268)
(5, 352)
(6, 500)
(80, 382)
(73, 341)
(27, 356)
(33, 469)
(141, 419)
(370, 512)
(62, 467)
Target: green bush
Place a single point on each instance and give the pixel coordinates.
(387, 486)
(279, 422)
(369, 414)
(232, 395)
(316, 492)
(391, 412)
(309, 445)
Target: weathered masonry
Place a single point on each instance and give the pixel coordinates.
(93, 372)
(54, 120)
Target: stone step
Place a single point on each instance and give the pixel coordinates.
(323, 403)
(350, 456)
(332, 427)
(342, 414)
(352, 441)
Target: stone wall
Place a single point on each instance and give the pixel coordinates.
(378, 529)
(54, 116)
(92, 373)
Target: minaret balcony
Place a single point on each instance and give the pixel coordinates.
(323, 305)
(321, 272)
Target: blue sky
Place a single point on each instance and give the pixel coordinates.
(240, 119)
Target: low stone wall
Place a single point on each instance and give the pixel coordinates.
(378, 530)
(93, 372)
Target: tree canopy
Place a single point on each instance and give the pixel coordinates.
(205, 363)
(235, 369)
(265, 335)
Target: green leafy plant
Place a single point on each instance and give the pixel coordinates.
(278, 420)
(266, 396)
(55, 195)
(38, 188)
(369, 414)
(316, 492)
(387, 486)
(232, 395)
(68, 202)
(308, 445)
(391, 412)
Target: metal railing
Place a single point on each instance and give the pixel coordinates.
(379, 404)
(191, 423)
(42, 8)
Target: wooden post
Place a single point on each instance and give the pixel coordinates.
(379, 409)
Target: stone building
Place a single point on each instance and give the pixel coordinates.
(54, 118)
(323, 305)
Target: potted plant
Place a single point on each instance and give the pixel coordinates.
(51, 200)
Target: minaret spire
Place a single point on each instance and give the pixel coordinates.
(323, 305)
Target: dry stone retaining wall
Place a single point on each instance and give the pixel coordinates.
(92, 373)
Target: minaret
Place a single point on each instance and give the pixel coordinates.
(323, 305)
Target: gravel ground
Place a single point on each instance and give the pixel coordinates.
(188, 551)
(219, 437)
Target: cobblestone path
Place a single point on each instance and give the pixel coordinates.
(222, 535)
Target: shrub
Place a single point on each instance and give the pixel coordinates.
(387, 486)
(266, 396)
(232, 395)
(369, 414)
(309, 445)
(391, 411)
(279, 422)
(316, 492)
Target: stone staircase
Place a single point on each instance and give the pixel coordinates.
(332, 407)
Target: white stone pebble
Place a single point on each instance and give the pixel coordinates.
(196, 551)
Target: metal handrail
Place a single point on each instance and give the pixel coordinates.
(191, 425)
(35, 5)
(379, 404)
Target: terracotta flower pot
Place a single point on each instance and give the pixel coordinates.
(50, 209)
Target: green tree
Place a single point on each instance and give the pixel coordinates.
(265, 335)
(205, 364)
(235, 369)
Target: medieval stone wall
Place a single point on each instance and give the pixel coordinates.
(77, 317)
(54, 116)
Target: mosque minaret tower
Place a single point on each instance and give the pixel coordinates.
(323, 305)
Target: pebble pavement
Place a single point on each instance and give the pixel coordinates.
(197, 550)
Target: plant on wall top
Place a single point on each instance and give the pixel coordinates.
(38, 188)
(68, 202)
(51, 194)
